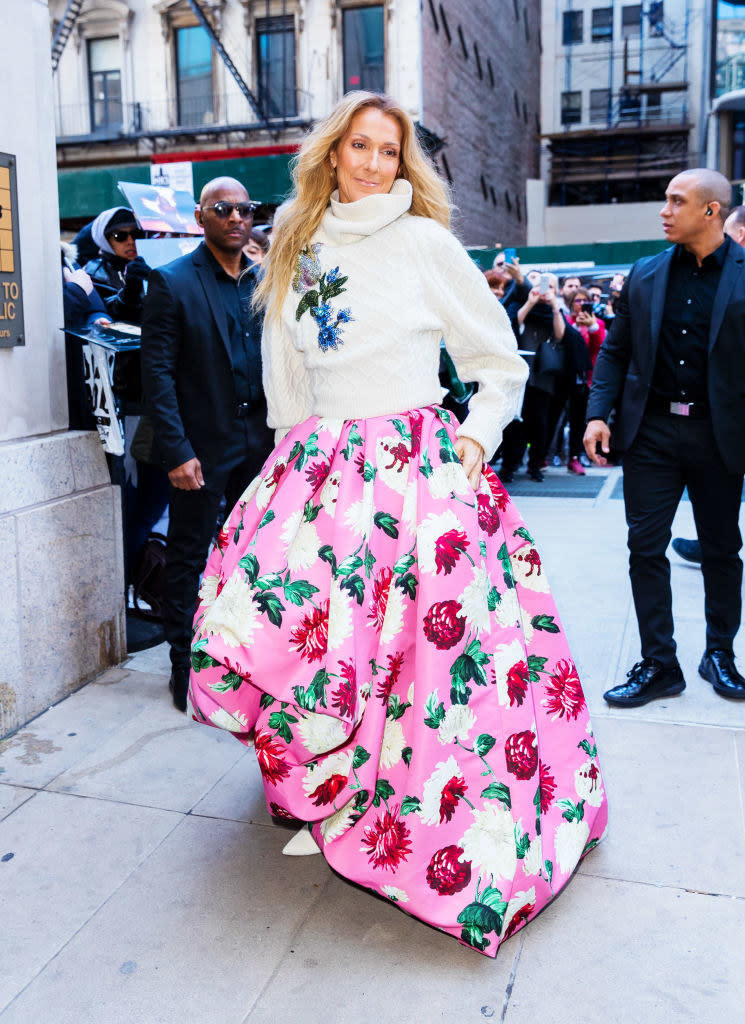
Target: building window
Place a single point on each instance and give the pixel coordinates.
(105, 85)
(194, 91)
(275, 40)
(364, 48)
(654, 105)
(571, 107)
(738, 146)
(599, 105)
(631, 20)
(571, 27)
(602, 24)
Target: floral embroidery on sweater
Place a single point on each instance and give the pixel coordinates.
(316, 287)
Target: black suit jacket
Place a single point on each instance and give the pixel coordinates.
(187, 370)
(625, 364)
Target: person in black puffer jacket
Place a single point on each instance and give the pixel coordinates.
(118, 272)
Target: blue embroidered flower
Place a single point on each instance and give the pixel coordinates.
(316, 288)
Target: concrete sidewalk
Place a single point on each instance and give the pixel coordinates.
(142, 880)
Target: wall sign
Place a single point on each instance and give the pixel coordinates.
(11, 293)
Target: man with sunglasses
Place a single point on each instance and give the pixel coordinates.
(201, 369)
(118, 273)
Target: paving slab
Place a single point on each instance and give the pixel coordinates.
(239, 795)
(11, 797)
(611, 952)
(674, 801)
(62, 736)
(192, 936)
(359, 958)
(62, 857)
(158, 759)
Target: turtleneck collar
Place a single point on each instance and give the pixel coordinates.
(349, 222)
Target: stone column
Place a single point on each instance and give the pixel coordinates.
(62, 612)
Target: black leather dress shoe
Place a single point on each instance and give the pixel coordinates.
(690, 550)
(647, 680)
(535, 474)
(178, 684)
(719, 668)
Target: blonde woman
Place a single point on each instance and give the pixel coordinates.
(376, 618)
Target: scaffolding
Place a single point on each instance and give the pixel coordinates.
(639, 130)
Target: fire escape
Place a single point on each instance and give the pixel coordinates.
(136, 126)
(641, 138)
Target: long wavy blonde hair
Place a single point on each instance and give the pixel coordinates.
(314, 180)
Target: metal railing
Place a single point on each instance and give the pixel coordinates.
(149, 117)
(628, 110)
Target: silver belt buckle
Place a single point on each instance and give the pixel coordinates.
(681, 408)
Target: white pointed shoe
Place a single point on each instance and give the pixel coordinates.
(302, 844)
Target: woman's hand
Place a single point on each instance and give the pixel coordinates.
(471, 456)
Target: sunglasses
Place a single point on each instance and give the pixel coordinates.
(224, 210)
(122, 236)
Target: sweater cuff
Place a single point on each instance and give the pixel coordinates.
(487, 436)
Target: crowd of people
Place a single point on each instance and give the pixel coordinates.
(559, 327)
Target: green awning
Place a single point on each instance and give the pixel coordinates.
(85, 191)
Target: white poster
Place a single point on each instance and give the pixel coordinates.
(178, 176)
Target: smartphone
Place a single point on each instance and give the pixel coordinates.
(544, 284)
(509, 255)
(587, 307)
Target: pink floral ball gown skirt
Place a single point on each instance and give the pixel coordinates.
(387, 639)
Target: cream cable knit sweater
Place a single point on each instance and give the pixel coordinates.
(359, 332)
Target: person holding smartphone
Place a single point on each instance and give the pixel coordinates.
(583, 318)
(540, 327)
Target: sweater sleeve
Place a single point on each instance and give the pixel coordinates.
(480, 340)
(286, 384)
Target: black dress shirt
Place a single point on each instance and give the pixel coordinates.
(244, 328)
(681, 368)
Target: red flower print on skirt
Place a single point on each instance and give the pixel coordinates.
(498, 493)
(444, 626)
(564, 694)
(519, 918)
(521, 754)
(379, 600)
(395, 661)
(518, 678)
(488, 515)
(269, 755)
(329, 789)
(387, 841)
(452, 791)
(448, 549)
(547, 786)
(344, 697)
(446, 873)
(312, 635)
(316, 473)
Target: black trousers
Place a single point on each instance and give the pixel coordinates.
(192, 521)
(668, 454)
(531, 429)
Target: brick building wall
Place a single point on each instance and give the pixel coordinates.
(481, 94)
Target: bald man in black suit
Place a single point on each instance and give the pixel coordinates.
(673, 366)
